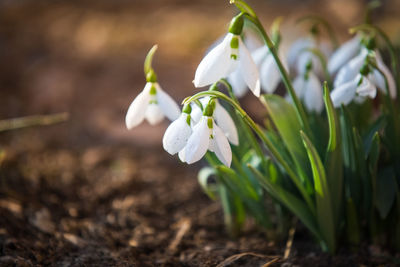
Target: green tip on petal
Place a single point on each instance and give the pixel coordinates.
(236, 26)
(210, 123)
(153, 90)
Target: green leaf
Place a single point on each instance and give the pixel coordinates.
(377, 126)
(352, 225)
(203, 176)
(325, 211)
(386, 188)
(285, 119)
(333, 157)
(292, 202)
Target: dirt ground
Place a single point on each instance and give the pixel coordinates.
(87, 192)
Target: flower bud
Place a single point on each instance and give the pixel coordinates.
(187, 109)
(209, 110)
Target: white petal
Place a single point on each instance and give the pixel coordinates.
(154, 114)
(221, 147)
(182, 155)
(313, 98)
(198, 142)
(344, 94)
(216, 64)
(239, 87)
(249, 69)
(259, 55)
(167, 105)
(296, 48)
(344, 53)
(196, 113)
(366, 88)
(227, 125)
(137, 109)
(303, 60)
(350, 70)
(380, 81)
(269, 75)
(299, 85)
(177, 135)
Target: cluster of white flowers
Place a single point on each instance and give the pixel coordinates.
(206, 125)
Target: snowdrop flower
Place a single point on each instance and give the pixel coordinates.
(298, 56)
(357, 89)
(309, 89)
(206, 136)
(352, 68)
(230, 55)
(221, 117)
(151, 104)
(178, 132)
(344, 53)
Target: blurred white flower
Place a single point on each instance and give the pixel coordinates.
(298, 56)
(309, 89)
(151, 104)
(350, 70)
(344, 53)
(230, 55)
(357, 89)
(222, 118)
(206, 136)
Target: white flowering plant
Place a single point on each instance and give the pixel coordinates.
(330, 158)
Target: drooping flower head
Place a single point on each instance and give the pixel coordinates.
(151, 104)
(229, 56)
(207, 135)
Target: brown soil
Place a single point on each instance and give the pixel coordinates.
(88, 192)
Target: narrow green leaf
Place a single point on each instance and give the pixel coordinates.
(323, 200)
(292, 202)
(386, 188)
(333, 158)
(285, 119)
(352, 225)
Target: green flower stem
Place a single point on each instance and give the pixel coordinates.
(149, 59)
(249, 135)
(392, 50)
(256, 128)
(285, 77)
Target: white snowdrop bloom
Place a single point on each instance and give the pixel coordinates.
(269, 72)
(151, 104)
(222, 119)
(357, 89)
(350, 70)
(206, 136)
(298, 56)
(177, 134)
(309, 89)
(230, 55)
(344, 53)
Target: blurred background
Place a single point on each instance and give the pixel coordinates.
(89, 185)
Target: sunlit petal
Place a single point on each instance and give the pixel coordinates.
(177, 135)
(239, 86)
(137, 109)
(198, 142)
(221, 146)
(350, 70)
(269, 75)
(227, 125)
(215, 65)
(167, 104)
(154, 114)
(249, 69)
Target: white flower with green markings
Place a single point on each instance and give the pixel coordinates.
(207, 135)
(229, 56)
(151, 104)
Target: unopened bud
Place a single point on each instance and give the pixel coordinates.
(236, 26)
